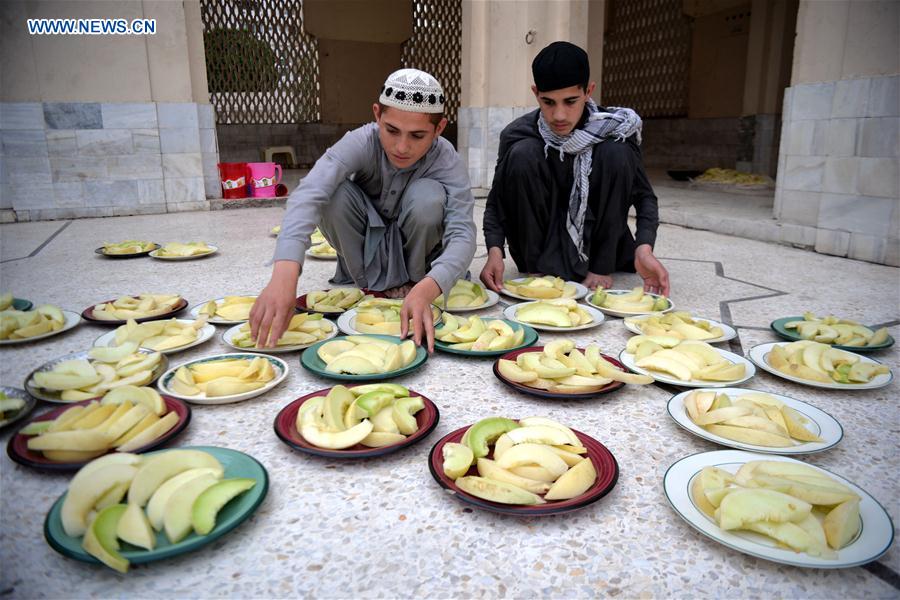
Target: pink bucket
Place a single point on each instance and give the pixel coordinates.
(263, 179)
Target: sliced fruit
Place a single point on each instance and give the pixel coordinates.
(208, 504)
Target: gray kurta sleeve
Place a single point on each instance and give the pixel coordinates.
(305, 204)
(459, 227)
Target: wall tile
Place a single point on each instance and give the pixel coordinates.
(68, 195)
(841, 175)
(39, 195)
(27, 171)
(208, 140)
(73, 115)
(187, 206)
(867, 247)
(135, 166)
(861, 214)
(210, 164)
(129, 115)
(146, 141)
(804, 173)
(21, 115)
(110, 193)
(836, 243)
(800, 138)
(68, 169)
(61, 142)
(851, 97)
(178, 115)
(879, 177)
(879, 137)
(798, 235)
(105, 142)
(812, 101)
(884, 97)
(206, 116)
(184, 189)
(182, 165)
(25, 142)
(179, 140)
(151, 191)
(840, 137)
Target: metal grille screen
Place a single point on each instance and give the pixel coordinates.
(261, 65)
(436, 46)
(646, 57)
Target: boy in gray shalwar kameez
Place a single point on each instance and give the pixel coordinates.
(393, 198)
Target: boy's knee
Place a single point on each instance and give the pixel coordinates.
(523, 155)
(424, 202)
(614, 155)
(346, 199)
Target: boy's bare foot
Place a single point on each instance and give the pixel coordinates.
(399, 292)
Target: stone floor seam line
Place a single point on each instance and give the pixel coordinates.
(41, 247)
(884, 573)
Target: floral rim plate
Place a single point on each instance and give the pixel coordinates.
(281, 371)
(54, 397)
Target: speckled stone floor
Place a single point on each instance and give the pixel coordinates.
(383, 527)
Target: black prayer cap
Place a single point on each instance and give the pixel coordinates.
(560, 65)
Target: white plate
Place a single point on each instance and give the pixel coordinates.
(155, 254)
(195, 311)
(749, 371)
(510, 313)
(729, 332)
(821, 424)
(759, 355)
(281, 371)
(622, 313)
(319, 256)
(231, 331)
(580, 291)
(877, 532)
(206, 332)
(72, 320)
(493, 298)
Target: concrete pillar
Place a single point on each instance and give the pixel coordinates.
(840, 138)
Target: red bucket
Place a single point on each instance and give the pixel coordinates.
(234, 180)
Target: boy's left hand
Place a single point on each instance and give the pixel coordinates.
(417, 307)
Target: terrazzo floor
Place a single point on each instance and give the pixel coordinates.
(383, 527)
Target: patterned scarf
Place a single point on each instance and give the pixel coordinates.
(618, 125)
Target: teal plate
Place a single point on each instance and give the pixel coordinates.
(531, 337)
(22, 304)
(311, 361)
(778, 327)
(237, 464)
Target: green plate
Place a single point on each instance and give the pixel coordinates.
(237, 464)
(531, 336)
(311, 361)
(789, 334)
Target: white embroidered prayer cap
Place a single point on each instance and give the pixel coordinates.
(413, 90)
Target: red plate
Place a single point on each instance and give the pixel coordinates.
(604, 462)
(286, 429)
(301, 302)
(88, 314)
(610, 387)
(17, 448)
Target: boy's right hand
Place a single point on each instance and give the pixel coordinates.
(492, 273)
(273, 309)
